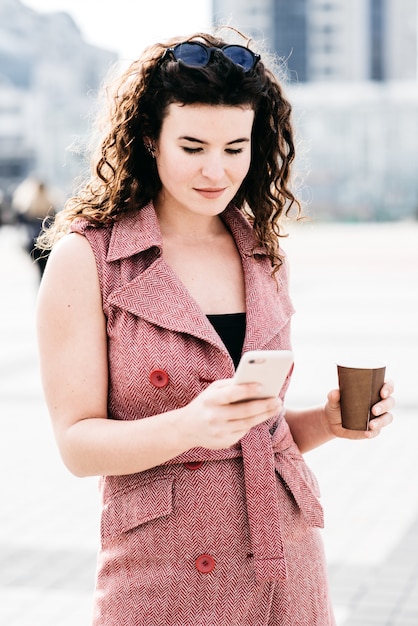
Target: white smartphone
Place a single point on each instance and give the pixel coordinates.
(269, 368)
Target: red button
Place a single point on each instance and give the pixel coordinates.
(193, 465)
(159, 378)
(205, 563)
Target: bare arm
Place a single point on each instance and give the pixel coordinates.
(73, 355)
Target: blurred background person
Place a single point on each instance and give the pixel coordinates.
(33, 202)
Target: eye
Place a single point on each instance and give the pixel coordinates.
(191, 150)
(232, 151)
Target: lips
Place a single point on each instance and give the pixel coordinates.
(211, 193)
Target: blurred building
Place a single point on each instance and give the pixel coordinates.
(352, 78)
(332, 40)
(357, 149)
(49, 79)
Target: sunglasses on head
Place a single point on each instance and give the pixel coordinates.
(195, 54)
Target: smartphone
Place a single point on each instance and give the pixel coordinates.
(269, 368)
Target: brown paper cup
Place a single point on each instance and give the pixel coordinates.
(360, 386)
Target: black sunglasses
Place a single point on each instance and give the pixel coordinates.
(195, 54)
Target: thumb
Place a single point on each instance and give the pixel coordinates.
(334, 399)
(332, 408)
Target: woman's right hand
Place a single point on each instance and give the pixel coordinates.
(223, 413)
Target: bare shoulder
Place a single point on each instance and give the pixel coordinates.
(71, 261)
(70, 282)
(71, 252)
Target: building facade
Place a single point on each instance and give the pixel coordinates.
(353, 85)
(49, 78)
(332, 40)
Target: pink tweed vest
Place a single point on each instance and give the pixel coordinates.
(210, 537)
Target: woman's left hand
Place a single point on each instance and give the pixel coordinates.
(381, 415)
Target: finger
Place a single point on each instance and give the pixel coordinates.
(240, 427)
(387, 389)
(225, 392)
(244, 392)
(383, 407)
(333, 409)
(334, 399)
(376, 424)
(253, 409)
(372, 432)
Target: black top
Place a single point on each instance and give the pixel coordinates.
(231, 329)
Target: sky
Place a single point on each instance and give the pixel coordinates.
(127, 26)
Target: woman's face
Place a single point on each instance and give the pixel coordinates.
(203, 154)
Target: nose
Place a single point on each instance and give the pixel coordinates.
(213, 168)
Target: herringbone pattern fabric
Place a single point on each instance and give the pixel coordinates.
(247, 513)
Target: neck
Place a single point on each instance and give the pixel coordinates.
(190, 227)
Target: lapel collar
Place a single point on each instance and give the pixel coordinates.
(268, 305)
(158, 296)
(155, 294)
(134, 233)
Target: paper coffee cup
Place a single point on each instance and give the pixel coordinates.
(360, 384)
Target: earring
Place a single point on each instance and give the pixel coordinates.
(150, 148)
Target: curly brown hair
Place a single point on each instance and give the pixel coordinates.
(125, 176)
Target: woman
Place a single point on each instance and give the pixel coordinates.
(171, 270)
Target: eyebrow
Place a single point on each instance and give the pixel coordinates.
(239, 140)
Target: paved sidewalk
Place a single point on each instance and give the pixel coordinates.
(345, 305)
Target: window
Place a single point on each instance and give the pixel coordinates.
(377, 27)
